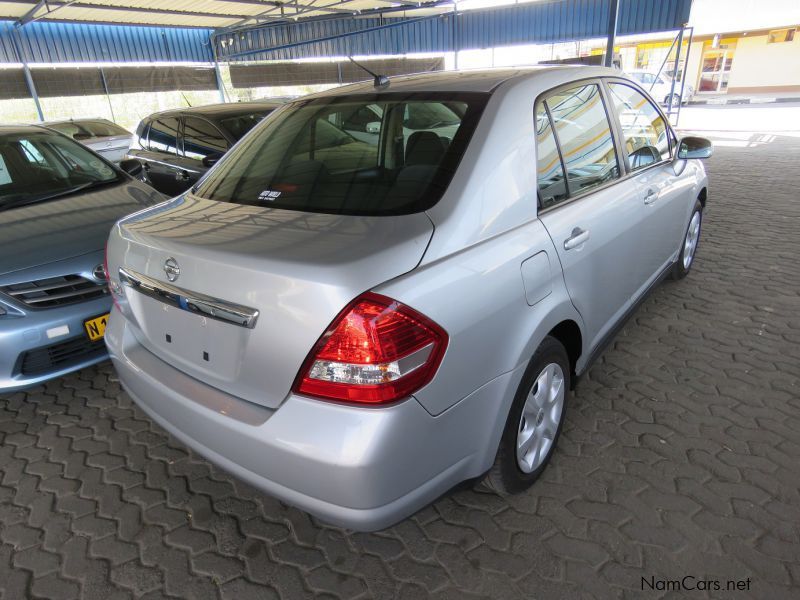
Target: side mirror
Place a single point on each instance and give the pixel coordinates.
(694, 147)
(132, 167)
(211, 159)
(374, 127)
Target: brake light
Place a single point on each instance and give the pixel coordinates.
(375, 351)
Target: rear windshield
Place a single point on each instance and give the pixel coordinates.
(89, 129)
(240, 124)
(376, 154)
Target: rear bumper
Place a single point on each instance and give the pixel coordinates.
(362, 468)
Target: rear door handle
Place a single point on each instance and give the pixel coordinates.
(651, 196)
(578, 237)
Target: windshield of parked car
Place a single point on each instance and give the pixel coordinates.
(37, 166)
(240, 124)
(89, 129)
(350, 154)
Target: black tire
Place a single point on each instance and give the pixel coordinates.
(506, 477)
(672, 100)
(680, 269)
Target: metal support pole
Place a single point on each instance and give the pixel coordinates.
(27, 71)
(613, 9)
(108, 96)
(674, 73)
(455, 33)
(683, 72)
(217, 72)
(220, 85)
(663, 62)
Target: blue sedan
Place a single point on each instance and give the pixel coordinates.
(58, 201)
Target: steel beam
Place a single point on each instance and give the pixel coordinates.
(328, 38)
(59, 4)
(613, 11)
(16, 39)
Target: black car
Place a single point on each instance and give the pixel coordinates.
(178, 146)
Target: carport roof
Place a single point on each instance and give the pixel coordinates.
(193, 13)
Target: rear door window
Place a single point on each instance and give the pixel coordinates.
(550, 170)
(644, 131)
(164, 135)
(201, 139)
(584, 135)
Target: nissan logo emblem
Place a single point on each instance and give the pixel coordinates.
(172, 269)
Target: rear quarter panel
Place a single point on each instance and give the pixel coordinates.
(478, 296)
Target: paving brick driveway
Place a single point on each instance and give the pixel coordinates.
(680, 456)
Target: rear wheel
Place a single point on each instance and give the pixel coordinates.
(534, 422)
(672, 100)
(691, 239)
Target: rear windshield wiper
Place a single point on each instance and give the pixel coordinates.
(24, 200)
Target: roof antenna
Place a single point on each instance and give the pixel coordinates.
(379, 81)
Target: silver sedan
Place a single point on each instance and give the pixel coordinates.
(108, 139)
(355, 324)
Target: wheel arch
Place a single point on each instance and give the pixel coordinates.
(702, 197)
(568, 333)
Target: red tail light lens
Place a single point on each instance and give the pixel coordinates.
(376, 351)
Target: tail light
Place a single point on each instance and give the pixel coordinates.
(375, 351)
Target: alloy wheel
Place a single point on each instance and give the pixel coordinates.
(540, 418)
(690, 243)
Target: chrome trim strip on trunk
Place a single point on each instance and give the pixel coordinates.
(194, 302)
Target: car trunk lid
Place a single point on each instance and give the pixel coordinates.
(296, 269)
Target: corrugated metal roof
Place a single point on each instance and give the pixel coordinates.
(188, 13)
(76, 42)
(539, 22)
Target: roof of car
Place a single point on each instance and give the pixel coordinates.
(222, 110)
(80, 120)
(472, 80)
(12, 129)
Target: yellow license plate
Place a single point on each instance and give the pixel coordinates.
(96, 328)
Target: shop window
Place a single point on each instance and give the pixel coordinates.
(778, 36)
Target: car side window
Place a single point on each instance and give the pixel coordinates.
(549, 170)
(163, 135)
(359, 119)
(644, 131)
(32, 153)
(584, 136)
(201, 139)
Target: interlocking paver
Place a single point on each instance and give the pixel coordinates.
(680, 456)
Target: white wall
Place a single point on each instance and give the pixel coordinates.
(721, 16)
(759, 64)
